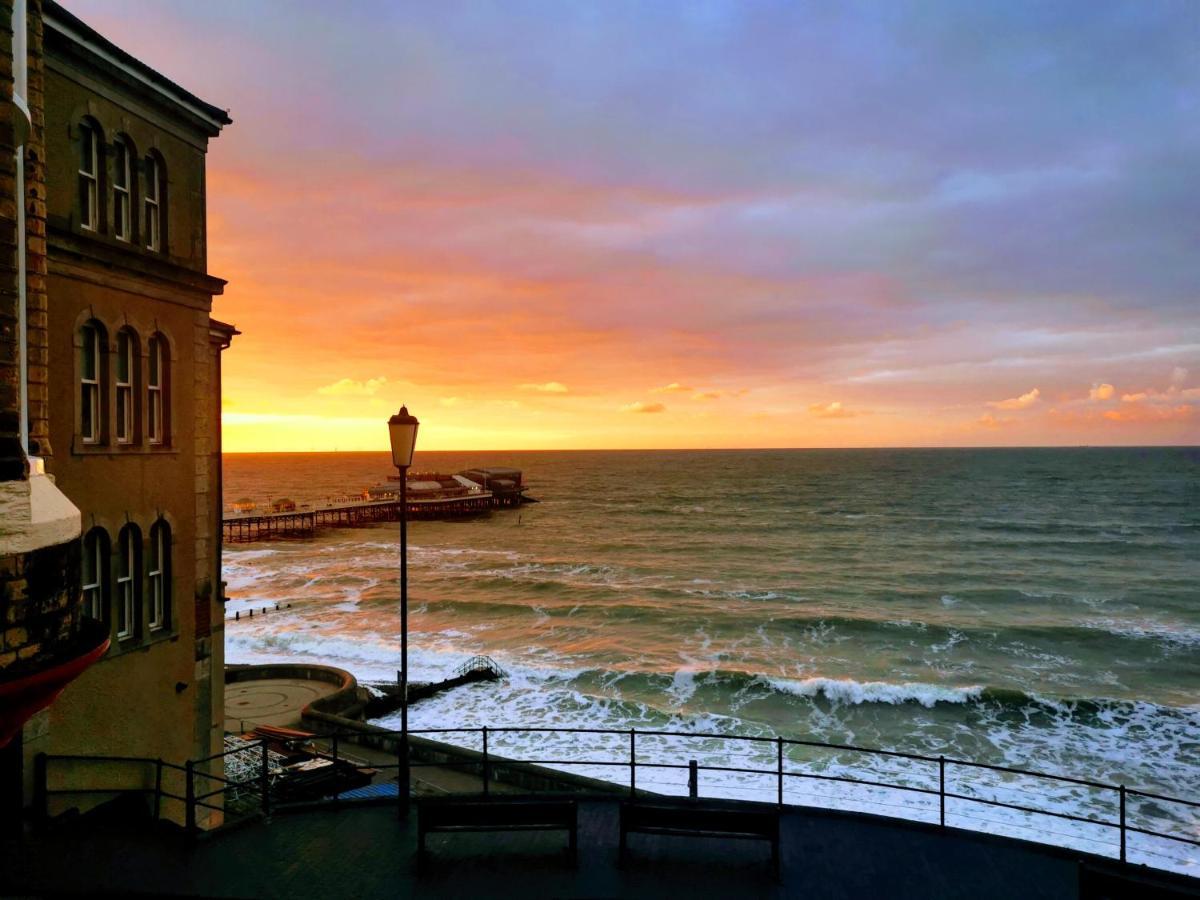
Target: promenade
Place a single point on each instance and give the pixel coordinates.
(367, 852)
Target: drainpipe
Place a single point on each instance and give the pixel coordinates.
(21, 126)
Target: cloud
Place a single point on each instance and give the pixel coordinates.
(642, 407)
(549, 387)
(449, 401)
(987, 420)
(1025, 401)
(707, 395)
(348, 387)
(1178, 376)
(1145, 412)
(1101, 392)
(673, 388)
(1134, 398)
(833, 410)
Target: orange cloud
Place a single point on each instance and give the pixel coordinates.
(549, 387)
(1023, 402)
(1101, 392)
(1145, 412)
(673, 388)
(348, 387)
(707, 395)
(642, 407)
(833, 410)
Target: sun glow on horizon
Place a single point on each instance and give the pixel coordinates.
(584, 241)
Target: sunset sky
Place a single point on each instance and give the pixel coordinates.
(698, 224)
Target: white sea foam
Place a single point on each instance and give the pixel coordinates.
(847, 691)
(1174, 636)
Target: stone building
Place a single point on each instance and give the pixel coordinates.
(117, 395)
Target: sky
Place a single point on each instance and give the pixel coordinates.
(698, 224)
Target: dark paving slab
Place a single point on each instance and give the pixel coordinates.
(368, 852)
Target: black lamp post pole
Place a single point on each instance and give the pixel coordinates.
(405, 775)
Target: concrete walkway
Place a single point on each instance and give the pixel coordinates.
(270, 701)
(368, 852)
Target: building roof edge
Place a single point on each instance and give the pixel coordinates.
(74, 28)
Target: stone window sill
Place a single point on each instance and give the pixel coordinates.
(120, 647)
(78, 448)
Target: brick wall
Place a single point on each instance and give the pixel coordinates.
(38, 608)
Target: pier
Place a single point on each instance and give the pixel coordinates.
(265, 526)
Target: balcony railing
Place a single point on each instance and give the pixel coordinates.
(1109, 820)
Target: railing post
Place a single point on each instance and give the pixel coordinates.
(264, 781)
(942, 790)
(41, 788)
(158, 769)
(485, 761)
(632, 762)
(190, 794)
(1122, 823)
(779, 766)
(693, 779)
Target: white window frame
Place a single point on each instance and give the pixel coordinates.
(154, 392)
(125, 356)
(156, 579)
(122, 180)
(89, 218)
(125, 585)
(153, 204)
(93, 590)
(89, 386)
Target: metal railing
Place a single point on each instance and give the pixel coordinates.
(786, 772)
(481, 664)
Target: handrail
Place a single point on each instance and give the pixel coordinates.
(626, 750)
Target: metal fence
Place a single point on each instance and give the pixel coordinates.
(1104, 819)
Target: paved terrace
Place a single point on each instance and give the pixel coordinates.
(367, 852)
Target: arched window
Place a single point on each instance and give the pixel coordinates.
(122, 182)
(129, 553)
(92, 340)
(158, 390)
(127, 377)
(95, 575)
(158, 575)
(155, 201)
(90, 141)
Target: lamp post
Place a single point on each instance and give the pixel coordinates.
(402, 430)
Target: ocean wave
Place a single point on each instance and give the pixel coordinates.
(848, 691)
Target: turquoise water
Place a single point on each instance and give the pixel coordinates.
(1031, 608)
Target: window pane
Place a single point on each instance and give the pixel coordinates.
(154, 351)
(87, 201)
(88, 338)
(87, 156)
(124, 348)
(119, 216)
(87, 424)
(121, 163)
(89, 559)
(151, 178)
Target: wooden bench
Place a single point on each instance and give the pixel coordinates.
(445, 815)
(696, 820)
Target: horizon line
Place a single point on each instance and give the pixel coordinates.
(732, 449)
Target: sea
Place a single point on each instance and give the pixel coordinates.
(1033, 609)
